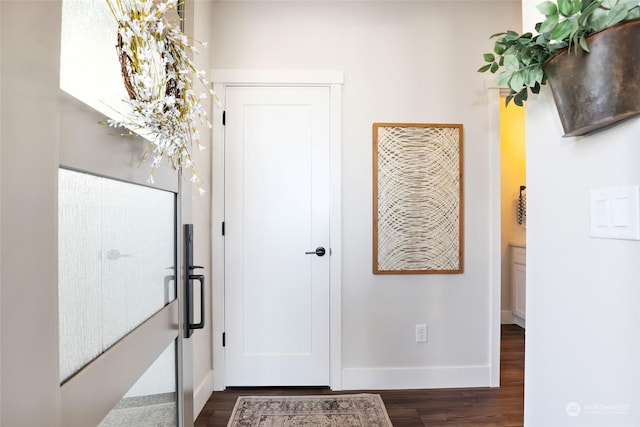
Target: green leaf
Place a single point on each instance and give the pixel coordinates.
(512, 49)
(562, 31)
(503, 78)
(511, 36)
(598, 20)
(591, 6)
(583, 44)
(547, 8)
(517, 82)
(499, 48)
(488, 57)
(526, 76)
(494, 67)
(536, 88)
(517, 101)
(565, 7)
(511, 63)
(634, 13)
(549, 24)
(576, 6)
(484, 68)
(629, 4)
(617, 14)
(508, 99)
(520, 97)
(537, 74)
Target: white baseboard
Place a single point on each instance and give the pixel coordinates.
(202, 393)
(415, 378)
(520, 322)
(506, 317)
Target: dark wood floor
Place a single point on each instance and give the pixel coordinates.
(417, 408)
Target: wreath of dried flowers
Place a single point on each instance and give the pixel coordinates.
(157, 74)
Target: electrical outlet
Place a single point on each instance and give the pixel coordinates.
(421, 333)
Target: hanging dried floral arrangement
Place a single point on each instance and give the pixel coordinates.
(157, 74)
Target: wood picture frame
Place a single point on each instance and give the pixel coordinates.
(417, 198)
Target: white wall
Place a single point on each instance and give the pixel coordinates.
(403, 62)
(582, 293)
(1, 246)
(29, 242)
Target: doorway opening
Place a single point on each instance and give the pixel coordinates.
(513, 236)
(506, 127)
(513, 213)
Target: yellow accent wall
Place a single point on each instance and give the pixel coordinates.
(513, 175)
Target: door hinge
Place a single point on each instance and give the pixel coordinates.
(223, 228)
(224, 118)
(224, 340)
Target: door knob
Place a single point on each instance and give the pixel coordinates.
(320, 251)
(114, 254)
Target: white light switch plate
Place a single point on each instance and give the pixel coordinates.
(615, 213)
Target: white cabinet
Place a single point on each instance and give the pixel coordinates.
(518, 280)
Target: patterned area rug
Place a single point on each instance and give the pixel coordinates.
(352, 410)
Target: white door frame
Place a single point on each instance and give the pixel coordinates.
(495, 230)
(495, 218)
(333, 80)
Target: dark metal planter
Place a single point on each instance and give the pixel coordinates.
(597, 89)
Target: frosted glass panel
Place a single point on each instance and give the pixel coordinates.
(79, 271)
(116, 262)
(152, 401)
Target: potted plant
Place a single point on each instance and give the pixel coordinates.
(581, 48)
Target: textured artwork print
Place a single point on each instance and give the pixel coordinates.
(417, 198)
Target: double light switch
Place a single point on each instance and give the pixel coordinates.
(615, 213)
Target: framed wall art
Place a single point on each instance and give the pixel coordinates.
(417, 198)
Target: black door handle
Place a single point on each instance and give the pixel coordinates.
(320, 251)
(189, 324)
(199, 278)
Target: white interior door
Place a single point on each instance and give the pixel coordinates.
(277, 209)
